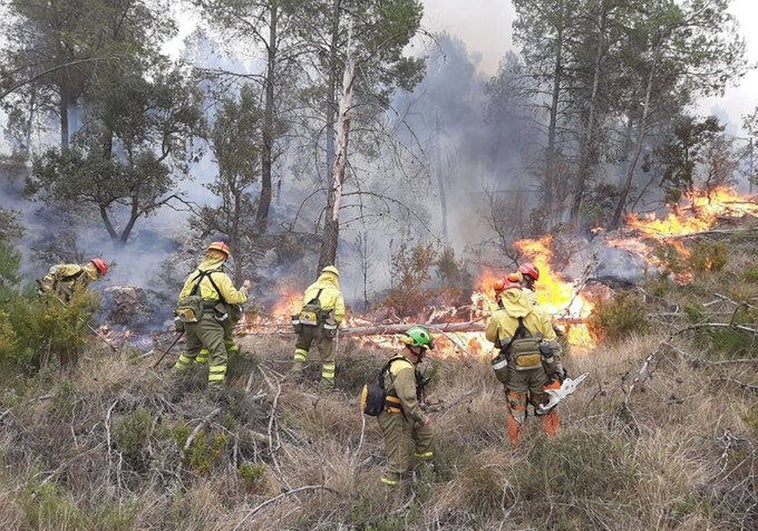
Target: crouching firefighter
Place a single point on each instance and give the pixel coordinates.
(407, 432)
(203, 310)
(317, 324)
(529, 360)
(64, 279)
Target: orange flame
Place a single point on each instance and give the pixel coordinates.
(701, 212)
(555, 294)
(704, 208)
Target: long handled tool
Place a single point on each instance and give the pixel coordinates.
(176, 340)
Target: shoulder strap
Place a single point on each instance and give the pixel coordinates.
(316, 298)
(386, 369)
(520, 333)
(199, 278)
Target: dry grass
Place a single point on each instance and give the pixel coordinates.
(657, 437)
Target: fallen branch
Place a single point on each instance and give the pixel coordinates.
(279, 497)
(197, 429)
(716, 325)
(743, 385)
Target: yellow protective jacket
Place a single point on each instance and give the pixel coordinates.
(504, 322)
(66, 276)
(226, 288)
(331, 296)
(400, 382)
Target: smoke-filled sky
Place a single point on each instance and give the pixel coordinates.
(485, 27)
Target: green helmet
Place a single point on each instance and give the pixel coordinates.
(419, 336)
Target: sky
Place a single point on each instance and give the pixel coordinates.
(485, 27)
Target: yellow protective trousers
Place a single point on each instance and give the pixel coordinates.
(207, 333)
(314, 335)
(404, 443)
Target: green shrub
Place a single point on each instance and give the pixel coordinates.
(750, 274)
(622, 316)
(131, 434)
(253, 477)
(708, 257)
(201, 455)
(48, 507)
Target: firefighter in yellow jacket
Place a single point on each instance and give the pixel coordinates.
(407, 431)
(317, 324)
(529, 361)
(64, 279)
(203, 308)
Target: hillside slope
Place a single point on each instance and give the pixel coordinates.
(661, 435)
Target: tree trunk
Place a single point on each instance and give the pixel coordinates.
(441, 186)
(63, 110)
(552, 127)
(627, 188)
(264, 200)
(584, 162)
(331, 103)
(331, 218)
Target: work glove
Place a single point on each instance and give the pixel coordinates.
(558, 377)
(246, 286)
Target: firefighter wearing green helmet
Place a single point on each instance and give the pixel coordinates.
(407, 432)
(317, 324)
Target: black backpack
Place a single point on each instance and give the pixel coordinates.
(373, 395)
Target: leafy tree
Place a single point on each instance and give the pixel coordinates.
(134, 141)
(361, 43)
(692, 143)
(56, 51)
(679, 48)
(235, 142)
(267, 24)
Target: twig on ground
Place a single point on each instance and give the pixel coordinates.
(197, 429)
(279, 497)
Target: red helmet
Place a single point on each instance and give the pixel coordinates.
(221, 247)
(529, 269)
(502, 284)
(100, 264)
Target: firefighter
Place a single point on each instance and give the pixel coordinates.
(406, 430)
(317, 324)
(531, 359)
(527, 274)
(204, 308)
(64, 279)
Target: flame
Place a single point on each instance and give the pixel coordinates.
(699, 214)
(289, 302)
(555, 294)
(704, 208)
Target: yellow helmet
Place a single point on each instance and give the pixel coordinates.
(331, 269)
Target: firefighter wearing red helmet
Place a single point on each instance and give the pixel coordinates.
(203, 308)
(529, 362)
(64, 279)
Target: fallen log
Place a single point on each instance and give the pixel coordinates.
(397, 328)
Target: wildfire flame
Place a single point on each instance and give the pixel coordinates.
(555, 294)
(561, 298)
(699, 214)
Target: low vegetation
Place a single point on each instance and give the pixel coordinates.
(661, 435)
